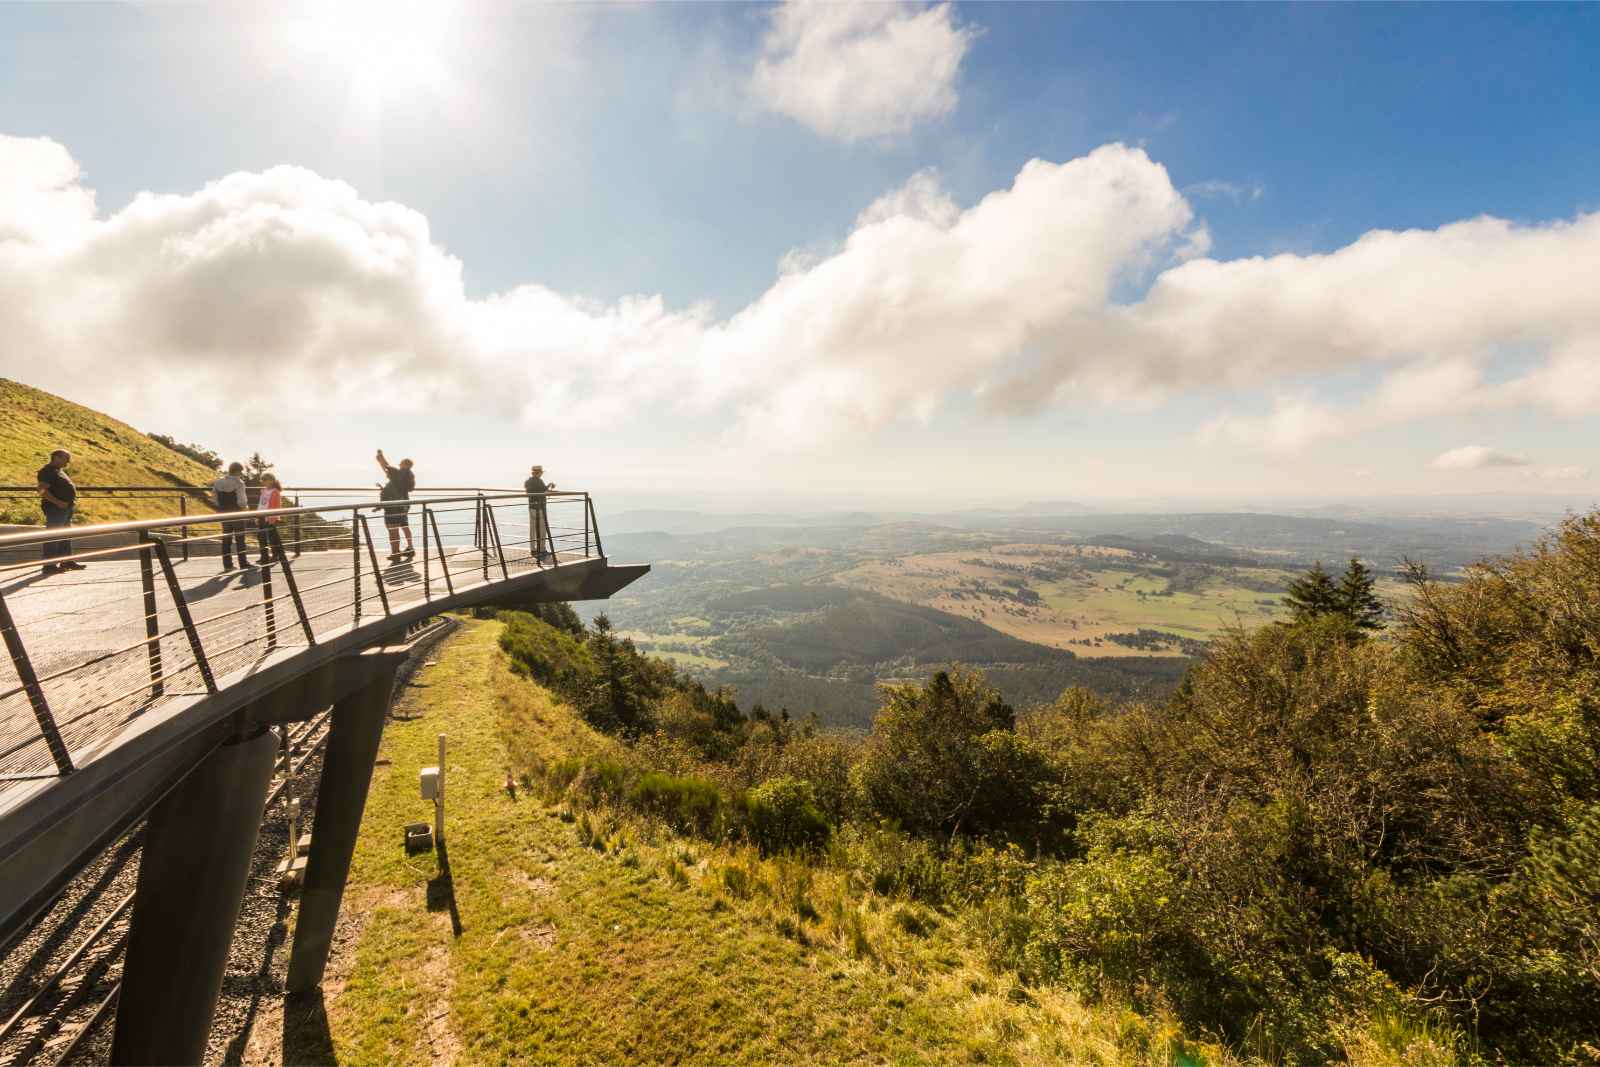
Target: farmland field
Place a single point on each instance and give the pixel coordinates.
(1087, 599)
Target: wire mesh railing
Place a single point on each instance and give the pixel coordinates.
(103, 623)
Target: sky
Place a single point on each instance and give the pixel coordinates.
(962, 253)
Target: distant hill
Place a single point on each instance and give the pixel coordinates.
(104, 450)
(823, 648)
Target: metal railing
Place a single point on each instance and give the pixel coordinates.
(155, 609)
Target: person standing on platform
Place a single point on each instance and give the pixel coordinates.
(57, 499)
(271, 497)
(538, 522)
(229, 493)
(397, 519)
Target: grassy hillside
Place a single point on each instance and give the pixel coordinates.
(105, 452)
(563, 937)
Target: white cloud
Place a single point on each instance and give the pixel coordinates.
(860, 70)
(1570, 473)
(284, 291)
(1235, 191)
(1475, 458)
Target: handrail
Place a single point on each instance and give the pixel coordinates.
(368, 488)
(28, 537)
(149, 646)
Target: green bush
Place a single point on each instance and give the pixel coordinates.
(782, 814)
(691, 805)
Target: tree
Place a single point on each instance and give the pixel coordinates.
(203, 456)
(1312, 594)
(255, 467)
(1357, 601)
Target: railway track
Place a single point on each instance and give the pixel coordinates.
(51, 1021)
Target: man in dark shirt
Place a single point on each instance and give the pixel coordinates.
(538, 522)
(57, 497)
(396, 519)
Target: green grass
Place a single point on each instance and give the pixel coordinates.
(104, 451)
(593, 938)
(1113, 602)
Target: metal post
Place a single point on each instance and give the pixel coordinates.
(152, 621)
(355, 558)
(586, 526)
(372, 554)
(353, 736)
(483, 538)
(427, 583)
(30, 682)
(599, 549)
(183, 509)
(294, 590)
(269, 608)
(444, 563)
(438, 800)
(198, 843)
(298, 536)
(160, 548)
(494, 533)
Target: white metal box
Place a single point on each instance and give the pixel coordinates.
(430, 782)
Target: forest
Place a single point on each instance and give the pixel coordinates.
(1342, 831)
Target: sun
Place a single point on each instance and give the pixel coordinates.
(389, 49)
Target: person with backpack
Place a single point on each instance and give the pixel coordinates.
(397, 519)
(229, 493)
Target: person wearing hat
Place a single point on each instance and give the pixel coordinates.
(538, 524)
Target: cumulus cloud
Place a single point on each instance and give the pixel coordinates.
(856, 70)
(1476, 458)
(285, 290)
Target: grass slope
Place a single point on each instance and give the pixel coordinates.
(556, 940)
(104, 451)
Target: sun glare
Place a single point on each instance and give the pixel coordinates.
(389, 48)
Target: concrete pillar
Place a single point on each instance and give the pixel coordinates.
(198, 844)
(347, 764)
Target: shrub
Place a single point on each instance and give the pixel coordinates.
(691, 805)
(782, 814)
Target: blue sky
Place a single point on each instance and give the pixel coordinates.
(607, 153)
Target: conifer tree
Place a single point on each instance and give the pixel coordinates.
(1357, 600)
(1312, 594)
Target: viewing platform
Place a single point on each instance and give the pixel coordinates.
(148, 685)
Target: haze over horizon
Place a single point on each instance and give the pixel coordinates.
(954, 253)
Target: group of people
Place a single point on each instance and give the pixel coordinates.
(230, 494)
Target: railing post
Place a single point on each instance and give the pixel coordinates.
(355, 558)
(427, 584)
(483, 538)
(444, 563)
(599, 549)
(298, 536)
(377, 574)
(183, 509)
(294, 590)
(270, 609)
(160, 548)
(152, 621)
(30, 683)
(586, 518)
(493, 529)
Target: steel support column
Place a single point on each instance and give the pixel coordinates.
(347, 766)
(198, 845)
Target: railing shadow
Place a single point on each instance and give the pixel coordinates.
(442, 891)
